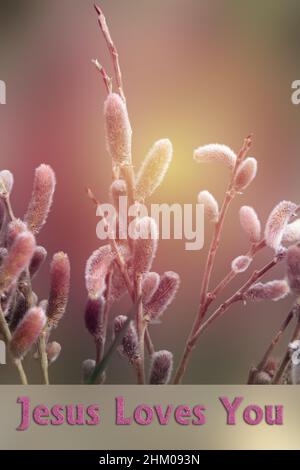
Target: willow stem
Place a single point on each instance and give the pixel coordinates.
(43, 356)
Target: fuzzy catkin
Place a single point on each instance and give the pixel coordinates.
(293, 268)
(53, 350)
(241, 264)
(17, 259)
(145, 246)
(245, 174)
(96, 270)
(215, 153)
(27, 332)
(164, 295)
(150, 283)
(87, 367)
(38, 258)
(129, 347)
(292, 232)
(41, 198)
(153, 169)
(14, 228)
(93, 316)
(59, 288)
(211, 207)
(118, 129)
(6, 182)
(250, 223)
(273, 290)
(277, 223)
(161, 368)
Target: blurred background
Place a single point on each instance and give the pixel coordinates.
(194, 71)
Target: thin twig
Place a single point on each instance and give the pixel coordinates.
(112, 49)
(43, 356)
(106, 79)
(287, 357)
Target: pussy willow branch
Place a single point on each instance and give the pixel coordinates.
(141, 326)
(100, 345)
(4, 328)
(237, 296)
(287, 357)
(229, 196)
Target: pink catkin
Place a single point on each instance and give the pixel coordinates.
(211, 207)
(38, 258)
(96, 270)
(93, 316)
(27, 332)
(215, 153)
(164, 295)
(150, 283)
(145, 246)
(87, 368)
(6, 182)
(273, 290)
(118, 129)
(161, 368)
(59, 288)
(292, 232)
(241, 264)
(277, 223)
(250, 223)
(293, 268)
(53, 350)
(41, 198)
(17, 259)
(153, 169)
(130, 345)
(245, 174)
(14, 228)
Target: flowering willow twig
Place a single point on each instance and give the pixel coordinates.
(230, 193)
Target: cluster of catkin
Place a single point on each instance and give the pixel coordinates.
(281, 235)
(26, 321)
(124, 266)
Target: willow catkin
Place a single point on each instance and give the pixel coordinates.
(53, 350)
(273, 290)
(215, 153)
(118, 129)
(150, 283)
(59, 288)
(41, 198)
(87, 367)
(93, 316)
(14, 228)
(96, 270)
(38, 259)
(245, 174)
(164, 295)
(240, 264)
(27, 332)
(17, 259)
(211, 207)
(277, 223)
(292, 232)
(250, 223)
(6, 182)
(129, 347)
(161, 368)
(145, 246)
(293, 268)
(153, 169)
